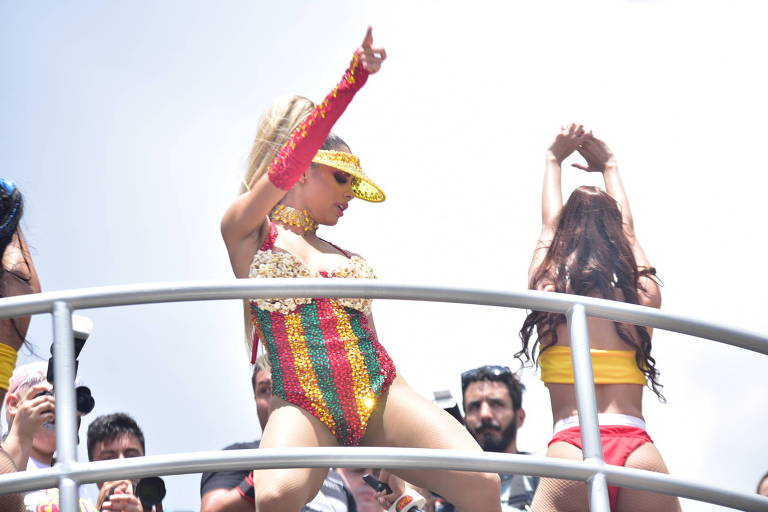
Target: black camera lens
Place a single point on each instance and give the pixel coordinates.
(85, 401)
(150, 491)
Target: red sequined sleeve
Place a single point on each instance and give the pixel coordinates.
(296, 155)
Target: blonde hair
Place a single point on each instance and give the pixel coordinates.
(275, 128)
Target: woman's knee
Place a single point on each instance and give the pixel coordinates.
(488, 482)
(280, 492)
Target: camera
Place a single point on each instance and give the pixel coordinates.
(83, 399)
(82, 327)
(408, 502)
(149, 490)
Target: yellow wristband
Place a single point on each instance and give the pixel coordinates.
(7, 364)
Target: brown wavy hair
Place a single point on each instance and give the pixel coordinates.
(590, 255)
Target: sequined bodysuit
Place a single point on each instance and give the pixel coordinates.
(325, 357)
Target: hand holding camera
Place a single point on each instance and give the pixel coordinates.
(120, 495)
(408, 499)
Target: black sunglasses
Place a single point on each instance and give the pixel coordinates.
(489, 371)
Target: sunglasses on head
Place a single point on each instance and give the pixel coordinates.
(489, 371)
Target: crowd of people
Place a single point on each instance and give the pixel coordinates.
(325, 379)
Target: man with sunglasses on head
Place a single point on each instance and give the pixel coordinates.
(492, 397)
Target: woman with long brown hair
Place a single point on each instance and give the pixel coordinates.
(333, 382)
(588, 247)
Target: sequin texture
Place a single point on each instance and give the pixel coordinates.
(325, 358)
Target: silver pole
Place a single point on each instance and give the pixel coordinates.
(64, 384)
(585, 398)
(146, 293)
(390, 458)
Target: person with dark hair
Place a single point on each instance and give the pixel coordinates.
(333, 382)
(492, 398)
(117, 436)
(588, 247)
(232, 491)
(17, 277)
(31, 438)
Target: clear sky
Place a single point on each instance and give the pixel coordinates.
(127, 125)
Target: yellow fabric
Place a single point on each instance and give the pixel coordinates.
(362, 186)
(7, 364)
(608, 366)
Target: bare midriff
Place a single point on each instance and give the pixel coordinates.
(611, 398)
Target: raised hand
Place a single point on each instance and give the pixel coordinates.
(567, 141)
(595, 152)
(34, 409)
(370, 57)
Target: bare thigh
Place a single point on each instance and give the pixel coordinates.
(289, 489)
(405, 419)
(555, 495)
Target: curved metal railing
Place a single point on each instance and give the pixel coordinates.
(67, 474)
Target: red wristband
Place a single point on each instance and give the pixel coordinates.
(245, 489)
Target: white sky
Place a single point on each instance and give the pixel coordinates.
(127, 125)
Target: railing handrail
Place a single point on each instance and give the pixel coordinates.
(68, 472)
(183, 291)
(390, 458)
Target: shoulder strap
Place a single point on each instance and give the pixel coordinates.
(269, 240)
(342, 251)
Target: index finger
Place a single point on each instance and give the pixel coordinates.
(368, 40)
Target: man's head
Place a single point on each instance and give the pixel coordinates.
(114, 436)
(261, 380)
(493, 407)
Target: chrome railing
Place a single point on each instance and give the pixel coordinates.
(67, 474)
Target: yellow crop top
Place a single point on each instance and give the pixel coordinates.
(609, 366)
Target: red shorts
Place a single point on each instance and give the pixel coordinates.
(618, 443)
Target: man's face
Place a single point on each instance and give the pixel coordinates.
(262, 391)
(365, 496)
(489, 415)
(124, 446)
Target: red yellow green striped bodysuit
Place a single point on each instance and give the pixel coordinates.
(325, 357)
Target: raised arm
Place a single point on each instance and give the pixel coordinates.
(564, 144)
(601, 159)
(248, 212)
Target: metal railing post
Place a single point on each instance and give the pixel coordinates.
(69, 474)
(585, 397)
(64, 385)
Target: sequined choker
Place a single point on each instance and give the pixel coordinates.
(293, 217)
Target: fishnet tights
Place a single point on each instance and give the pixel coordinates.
(554, 495)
